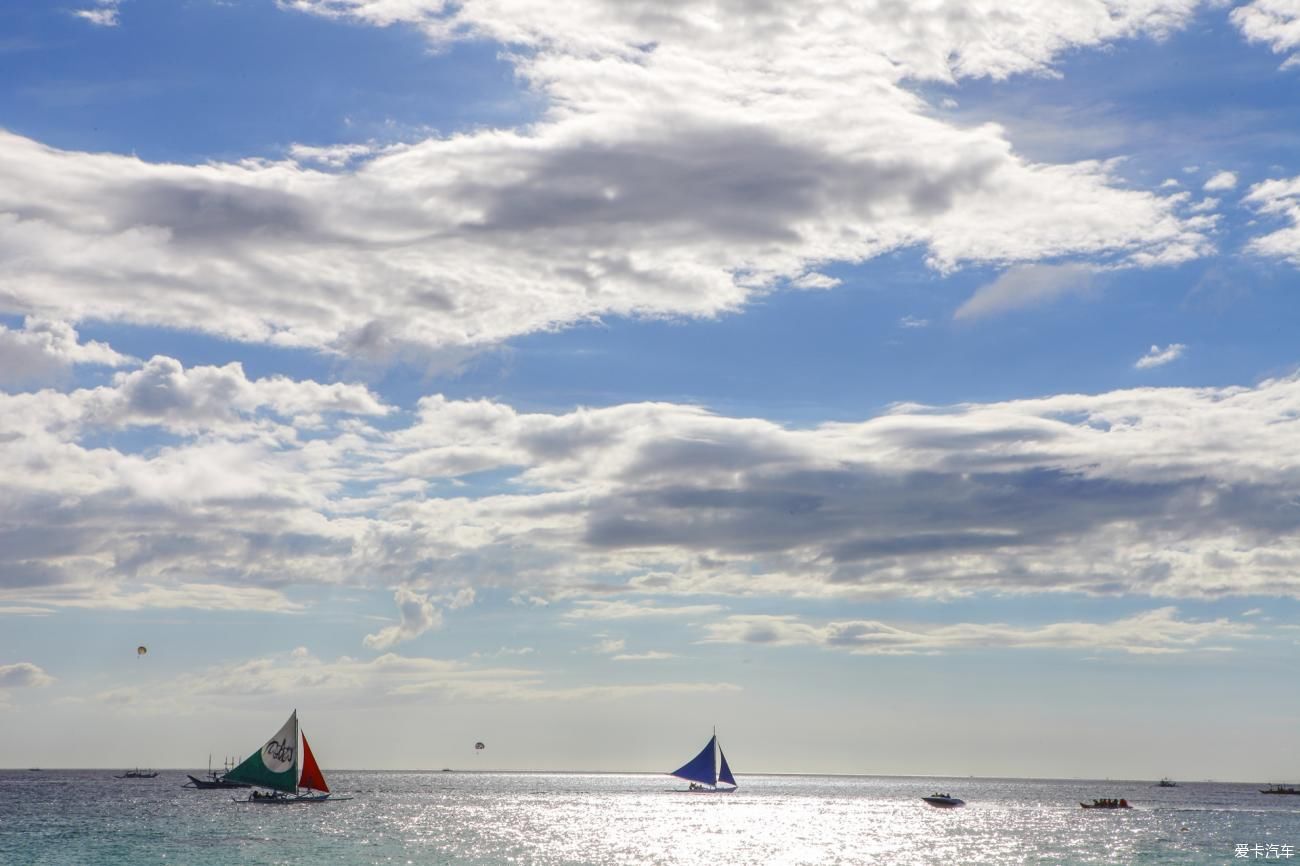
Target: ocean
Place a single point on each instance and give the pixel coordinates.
(89, 818)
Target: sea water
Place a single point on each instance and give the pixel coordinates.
(89, 818)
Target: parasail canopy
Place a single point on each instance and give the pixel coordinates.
(479, 746)
(141, 650)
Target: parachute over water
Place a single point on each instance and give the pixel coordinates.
(479, 746)
(142, 650)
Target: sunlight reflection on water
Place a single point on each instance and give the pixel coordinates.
(491, 819)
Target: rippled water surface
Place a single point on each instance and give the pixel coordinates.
(548, 819)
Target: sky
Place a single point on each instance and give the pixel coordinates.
(896, 387)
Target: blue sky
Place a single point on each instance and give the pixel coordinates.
(580, 380)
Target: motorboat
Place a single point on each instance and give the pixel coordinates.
(944, 801)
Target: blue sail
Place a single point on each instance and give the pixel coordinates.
(701, 767)
(724, 775)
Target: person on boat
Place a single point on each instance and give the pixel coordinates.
(1123, 804)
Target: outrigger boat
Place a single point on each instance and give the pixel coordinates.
(137, 773)
(275, 767)
(1280, 789)
(704, 771)
(213, 780)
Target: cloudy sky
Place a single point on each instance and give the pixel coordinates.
(901, 387)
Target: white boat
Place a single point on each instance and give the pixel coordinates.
(708, 771)
(944, 801)
(275, 767)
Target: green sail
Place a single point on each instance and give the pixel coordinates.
(275, 765)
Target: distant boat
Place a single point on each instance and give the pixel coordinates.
(707, 770)
(137, 773)
(214, 780)
(1280, 789)
(944, 801)
(1166, 782)
(275, 767)
(1107, 804)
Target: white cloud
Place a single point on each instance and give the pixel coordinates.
(622, 512)
(1224, 180)
(164, 393)
(418, 615)
(1153, 632)
(913, 322)
(678, 170)
(651, 656)
(44, 349)
(1273, 22)
(1278, 198)
(23, 675)
(104, 13)
(609, 646)
(597, 608)
(349, 681)
(1158, 357)
(332, 156)
(1025, 286)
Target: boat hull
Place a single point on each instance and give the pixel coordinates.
(206, 784)
(1099, 806)
(303, 799)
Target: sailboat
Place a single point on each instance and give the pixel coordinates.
(275, 766)
(707, 770)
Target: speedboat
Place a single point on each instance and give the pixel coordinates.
(944, 801)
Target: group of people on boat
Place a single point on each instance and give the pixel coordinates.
(269, 795)
(1121, 803)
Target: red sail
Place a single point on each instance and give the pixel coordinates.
(311, 775)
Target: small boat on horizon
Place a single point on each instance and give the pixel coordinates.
(1280, 789)
(137, 773)
(275, 767)
(707, 770)
(1166, 782)
(944, 801)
